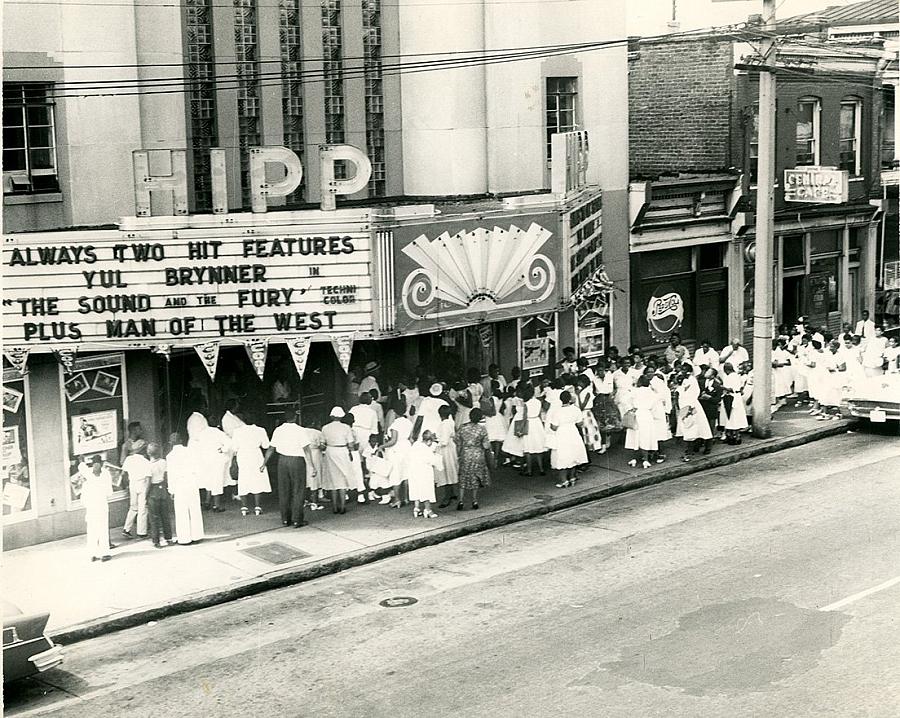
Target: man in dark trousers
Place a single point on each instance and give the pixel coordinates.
(291, 442)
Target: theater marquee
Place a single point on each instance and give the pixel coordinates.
(226, 276)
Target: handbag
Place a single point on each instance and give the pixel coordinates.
(520, 427)
(629, 419)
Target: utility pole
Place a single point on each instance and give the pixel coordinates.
(765, 230)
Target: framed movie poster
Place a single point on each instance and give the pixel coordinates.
(11, 399)
(535, 353)
(591, 342)
(77, 386)
(93, 433)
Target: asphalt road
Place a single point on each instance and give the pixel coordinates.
(767, 588)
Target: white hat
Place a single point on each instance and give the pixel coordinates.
(436, 389)
(337, 413)
(371, 366)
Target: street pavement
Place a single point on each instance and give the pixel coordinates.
(765, 588)
(241, 554)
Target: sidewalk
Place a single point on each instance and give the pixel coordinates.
(245, 555)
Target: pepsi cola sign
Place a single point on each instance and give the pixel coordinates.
(665, 314)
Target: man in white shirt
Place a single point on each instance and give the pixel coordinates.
(292, 444)
(734, 354)
(865, 327)
(185, 489)
(705, 355)
(873, 353)
(365, 423)
(95, 493)
(138, 471)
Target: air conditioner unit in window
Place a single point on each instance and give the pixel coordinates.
(14, 182)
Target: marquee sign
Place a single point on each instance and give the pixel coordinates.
(459, 273)
(817, 185)
(234, 276)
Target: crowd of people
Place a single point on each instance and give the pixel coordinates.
(435, 442)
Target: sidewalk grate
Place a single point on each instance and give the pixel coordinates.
(275, 553)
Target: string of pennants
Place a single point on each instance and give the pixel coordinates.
(257, 350)
(594, 291)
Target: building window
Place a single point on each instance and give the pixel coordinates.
(201, 98)
(754, 145)
(374, 95)
(562, 101)
(291, 82)
(333, 77)
(247, 73)
(807, 143)
(851, 119)
(29, 141)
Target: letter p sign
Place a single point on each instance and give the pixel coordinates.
(331, 187)
(260, 189)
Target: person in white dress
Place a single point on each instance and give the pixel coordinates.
(643, 437)
(423, 459)
(249, 442)
(584, 387)
(314, 478)
(446, 477)
(692, 424)
(338, 472)
(816, 375)
(662, 410)
(801, 369)
(732, 413)
(230, 420)
(705, 355)
(734, 354)
(396, 448)
(534, 443)
(211, 450)
(95, 493)
(782, 372)
(429, 408)
(497, 423)
(833, 382)
(513, 445)
(568, 452)
(624, 379)
(185, 489)
(873, 353)
(892, 355)
(365, 424)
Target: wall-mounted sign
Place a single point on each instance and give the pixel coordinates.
(238, 276)
(461, 273)
(816, 185)
(665, 314)
(569, 154)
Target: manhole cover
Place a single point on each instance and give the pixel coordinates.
(398, 602)
(275, 553)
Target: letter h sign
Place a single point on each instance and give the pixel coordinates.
(175, 183)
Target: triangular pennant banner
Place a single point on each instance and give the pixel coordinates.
(66, 357)
(18, 357)
(164, 350)
(257, 349)
(299, 349)
(209, 355)
(343, 347)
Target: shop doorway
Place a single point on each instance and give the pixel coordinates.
(793, 298)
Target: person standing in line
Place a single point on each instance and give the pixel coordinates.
(734, 354)
(158, 498)
(446, 476)
(378, 408)
(710, 399)
(676, 351)
(873, 352)
(365, 423)
(593, 441)
(534, 442)
(833, 382)
(370, 378)
(212, 451)
(865, 327)
(292, 444)
(250, 441)
(425, 461)
(568, 452)
(643, 437)
(782, 372)
(513, 444)
(338, 474)
(428, 409)
(605, 411)
(693, 426)
(230, 420)
(314, 476)
(497, 423)
(733, 415)
(661, 409)
(136, 468)
(705, 355)
(624, 379)
(493, 377)
(569, 364)
(396, 448)
(95, 493)
(515, 376)
(135, 443)
(475, 458)
(892, 355)
(185, 490)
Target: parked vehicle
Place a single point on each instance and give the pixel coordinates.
(26, 648)
(876, 398)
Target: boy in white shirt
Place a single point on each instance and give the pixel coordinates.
(137, 469)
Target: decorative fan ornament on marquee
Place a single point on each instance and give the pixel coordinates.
(478, 271)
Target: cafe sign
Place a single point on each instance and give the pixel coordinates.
(238, 277)
(816, 185)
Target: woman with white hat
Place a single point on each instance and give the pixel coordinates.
(429, 409)
(337, 466)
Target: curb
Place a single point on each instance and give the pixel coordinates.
(292, 576)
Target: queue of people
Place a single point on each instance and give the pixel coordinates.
(435, 442)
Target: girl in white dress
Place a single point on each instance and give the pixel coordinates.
(211, 449)
(661, 411)
(249, 443)
(801, 370)
(534, 443)
(314, 479)
(551, 402)
(782, 372)
(338, 474)
(734, 417)
(643, 437)
(513, 445)
(447, 475)
(568, 452)
(692, 424)
(396, 450)
(423, 456)
(589, 428)
(497, 425)
(892, 354)
(815, 364)
(833, 382)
